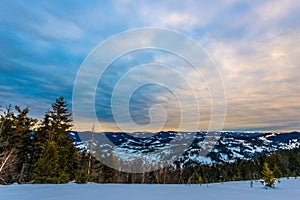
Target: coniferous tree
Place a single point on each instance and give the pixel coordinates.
(53, 133)
(7, 153)
(47, 169)
(23, 139)
(8, 156)
(16, 144)
(277, 172)
(268, 178)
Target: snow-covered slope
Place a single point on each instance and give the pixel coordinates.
(229, 146)
(287, 189)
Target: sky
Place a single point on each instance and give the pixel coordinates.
(254, 45)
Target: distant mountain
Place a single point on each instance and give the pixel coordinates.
(233, 146)
(228, 146)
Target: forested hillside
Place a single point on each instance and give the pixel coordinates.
(33, 151)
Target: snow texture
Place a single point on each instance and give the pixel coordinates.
(287, 189)
(230, 147)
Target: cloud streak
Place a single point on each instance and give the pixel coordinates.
(254, 44)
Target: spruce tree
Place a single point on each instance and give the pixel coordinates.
(23, 126)
(52, 140)
(47, 169)
(268, 178)
(57, 121)
(15, 137)
(277, 172)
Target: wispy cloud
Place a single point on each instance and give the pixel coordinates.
(254, 44)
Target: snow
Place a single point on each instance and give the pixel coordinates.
(71, 133)
(287, 189)
(231, 146)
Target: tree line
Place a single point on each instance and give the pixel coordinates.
(37, 151)
(267, 168)
(33, 151)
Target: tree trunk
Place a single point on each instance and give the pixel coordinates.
(91, 151)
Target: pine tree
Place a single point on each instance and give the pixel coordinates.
(277, 172)
(16, 144)
(23, 126)
(47, 169)
(52, 139)
(57, 121)
(268, 176)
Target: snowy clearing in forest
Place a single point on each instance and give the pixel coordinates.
(287, 189)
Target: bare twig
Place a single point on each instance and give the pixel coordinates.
(91, 150)
(6, 159)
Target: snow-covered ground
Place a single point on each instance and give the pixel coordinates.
(287, 189)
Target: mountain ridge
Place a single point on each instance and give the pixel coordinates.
(229, 146)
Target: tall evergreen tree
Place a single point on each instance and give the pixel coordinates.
(57, 121)
(16, 142)
(47, 169)
(52, 140)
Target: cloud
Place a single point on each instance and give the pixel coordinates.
(270, 11)
(56, 28)
(254, 44)
(261, 85)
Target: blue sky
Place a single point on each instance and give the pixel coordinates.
(255, 45)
